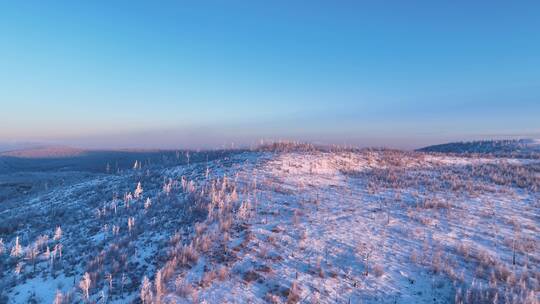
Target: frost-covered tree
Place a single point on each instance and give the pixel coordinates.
(127, 198)
(58, 233)
(16, 251)
(147, 203)
(146, 291)
(138, 191)
(131, 223)
(84, 284)
(2, 247)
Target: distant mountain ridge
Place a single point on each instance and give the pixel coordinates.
(511, 147)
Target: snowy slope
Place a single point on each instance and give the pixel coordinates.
(304, 226)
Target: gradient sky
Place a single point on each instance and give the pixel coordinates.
(208, 73)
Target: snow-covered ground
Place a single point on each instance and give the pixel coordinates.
(370, 226)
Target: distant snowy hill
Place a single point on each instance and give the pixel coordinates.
(512, 147)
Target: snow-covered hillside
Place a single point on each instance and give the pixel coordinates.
(299, 226)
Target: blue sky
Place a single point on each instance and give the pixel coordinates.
(209, 73)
